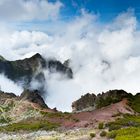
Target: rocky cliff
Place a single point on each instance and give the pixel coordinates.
(26, 95)
(34, 97)
(90, 102)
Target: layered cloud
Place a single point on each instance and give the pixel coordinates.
(103, 56)
(23, 10)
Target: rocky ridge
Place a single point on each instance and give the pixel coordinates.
(28, 69)
(90, 102)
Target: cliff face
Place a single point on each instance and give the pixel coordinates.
(32, 68)
(19, 69)
(91, 102)
(26, 95)
(34, 97)
(86, 102)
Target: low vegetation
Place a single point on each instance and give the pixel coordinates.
(126, 121)
(4, 119)
(131, 133)
(92, 135)
(103, 133)
(126, 128)
(101, 125)
(134, 103)
(29, 126)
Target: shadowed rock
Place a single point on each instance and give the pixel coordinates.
(90, 102)
(34, 97)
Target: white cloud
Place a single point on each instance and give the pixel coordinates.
(87, 44)
(117, 40)
(29, 10)
(9, 86)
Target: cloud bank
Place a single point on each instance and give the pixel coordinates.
(29, 10)
(9, 86)
(102, 56)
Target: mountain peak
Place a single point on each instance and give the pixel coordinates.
(2, 58)
(37, 55)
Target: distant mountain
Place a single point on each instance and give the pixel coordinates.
(92, 102)
(30, 69)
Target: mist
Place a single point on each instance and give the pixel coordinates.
(103, 56)
(9, 86)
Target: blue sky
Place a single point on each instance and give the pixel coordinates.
(38, 14)
(107, 9)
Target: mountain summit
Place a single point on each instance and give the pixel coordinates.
(28, 69)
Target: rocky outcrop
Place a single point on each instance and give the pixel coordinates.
(34, 97)
(4, 96)
(86, 102)
(91, 102)
(26, 95)
(57, 66)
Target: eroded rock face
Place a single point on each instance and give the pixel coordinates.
(26, 95)
(4, 96)
(34, 97)
(84, 103)
(91, 102)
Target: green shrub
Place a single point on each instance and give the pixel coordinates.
(101, 102)
(76, 120)
(92, 135)
(112, 134)
(134, 103)
(103, 133)
(126, 121)
(43, 113)
(114, 127)
(4, 119)
(131, 133)
(100, 126)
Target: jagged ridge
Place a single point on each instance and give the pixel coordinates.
(89, 102)
(31, 68)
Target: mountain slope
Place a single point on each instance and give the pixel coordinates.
(28, 112)
(90, 102)
(32, 99)
(26, 70)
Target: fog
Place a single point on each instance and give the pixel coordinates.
(9, 86)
